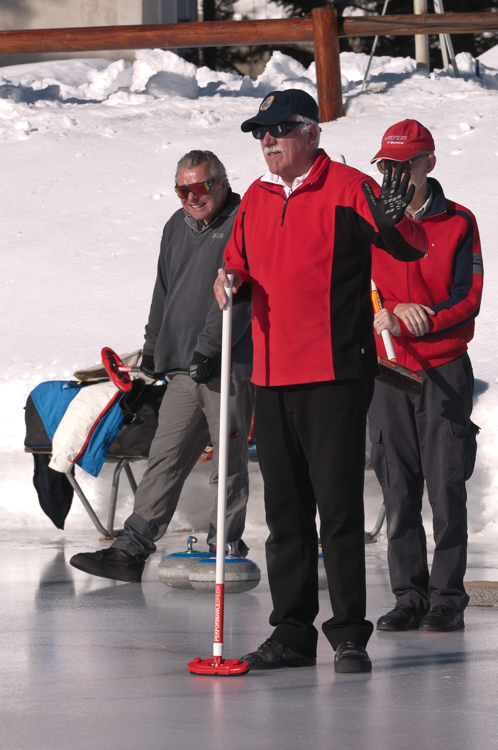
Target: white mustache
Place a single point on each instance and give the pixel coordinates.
(273, 150)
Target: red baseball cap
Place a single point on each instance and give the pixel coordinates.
(405, 140)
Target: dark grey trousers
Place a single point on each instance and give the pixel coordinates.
(429, 437)
(188, 419)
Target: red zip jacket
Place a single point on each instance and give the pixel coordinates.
(449, 281)
(308, 260)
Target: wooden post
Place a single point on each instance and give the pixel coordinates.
(328, 66)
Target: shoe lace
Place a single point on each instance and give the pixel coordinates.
(441, 609)
(267, 645)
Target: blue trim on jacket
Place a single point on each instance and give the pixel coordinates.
(464, 260)
(52, 400)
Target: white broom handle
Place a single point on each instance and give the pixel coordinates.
(386, 336)
(226, 347)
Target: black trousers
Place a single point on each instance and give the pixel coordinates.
(311, 450)
(429, 436)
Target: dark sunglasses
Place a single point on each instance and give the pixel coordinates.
(276, 131)
(406, 166)
(197, 188)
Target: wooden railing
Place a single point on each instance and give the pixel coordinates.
(323, 28)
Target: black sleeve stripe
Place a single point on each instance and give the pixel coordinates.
(244, 253)
(441, 334)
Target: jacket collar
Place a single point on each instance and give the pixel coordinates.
(320, 164)
(230, 207)
(438, 205)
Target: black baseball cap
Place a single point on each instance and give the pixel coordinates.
(278, 106)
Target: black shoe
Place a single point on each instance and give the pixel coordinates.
(111, 563)
(442, 619)
(350, 657)
(401, 617)
(239, 548)
(274, 655)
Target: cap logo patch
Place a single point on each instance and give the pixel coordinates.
(390, 138)
(266, 103)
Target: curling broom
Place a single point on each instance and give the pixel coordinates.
(217, 665)
(391, 372)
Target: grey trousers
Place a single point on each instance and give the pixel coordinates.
(429, 436)
(188, 420)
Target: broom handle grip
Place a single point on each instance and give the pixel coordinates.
(386, 336)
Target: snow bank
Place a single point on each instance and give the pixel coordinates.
(89, 150)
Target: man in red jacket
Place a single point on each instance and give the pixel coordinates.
(302, 241)
(429, 308)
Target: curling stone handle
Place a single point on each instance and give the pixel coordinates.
(190, 544)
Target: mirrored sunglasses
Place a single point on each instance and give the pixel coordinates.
(384, 164)
(197, 188)
(276, 131)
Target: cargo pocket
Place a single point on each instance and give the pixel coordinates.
(379, 459)
(471, 449)
(462, 449)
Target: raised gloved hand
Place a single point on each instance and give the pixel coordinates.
(147, 367)
(389, 208)
(200, 370)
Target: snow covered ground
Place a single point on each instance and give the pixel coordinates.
(88, 150)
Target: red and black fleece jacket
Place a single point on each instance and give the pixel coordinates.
(308, 259)
(449, 281)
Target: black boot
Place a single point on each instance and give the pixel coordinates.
(111, 563)
(442, 619)
(274, 655)
(401, 617)
(351, 657)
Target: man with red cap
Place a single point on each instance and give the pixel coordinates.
(429, 308)
(302, 241)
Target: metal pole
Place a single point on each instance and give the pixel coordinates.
(421, 40)
(374, 45)
(446, 43)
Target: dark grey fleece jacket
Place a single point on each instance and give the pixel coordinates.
(184, 316)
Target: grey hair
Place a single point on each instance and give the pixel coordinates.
(307, 121)
(196, 158)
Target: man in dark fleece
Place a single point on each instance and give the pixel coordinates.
(183, 340)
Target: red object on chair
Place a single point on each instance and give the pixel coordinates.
(113, 365)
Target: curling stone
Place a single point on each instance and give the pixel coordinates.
(241, 574)
(252, 450)
(322, 576)
(174, 569)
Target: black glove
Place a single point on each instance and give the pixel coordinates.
(147, 367)
(389, 208)
(200, 370)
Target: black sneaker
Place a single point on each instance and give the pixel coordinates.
(111, 563)
(351, 657)
(442, 619)
(274, 655)
(401, 617)
(239, 548)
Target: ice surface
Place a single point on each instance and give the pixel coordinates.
(89, 150)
